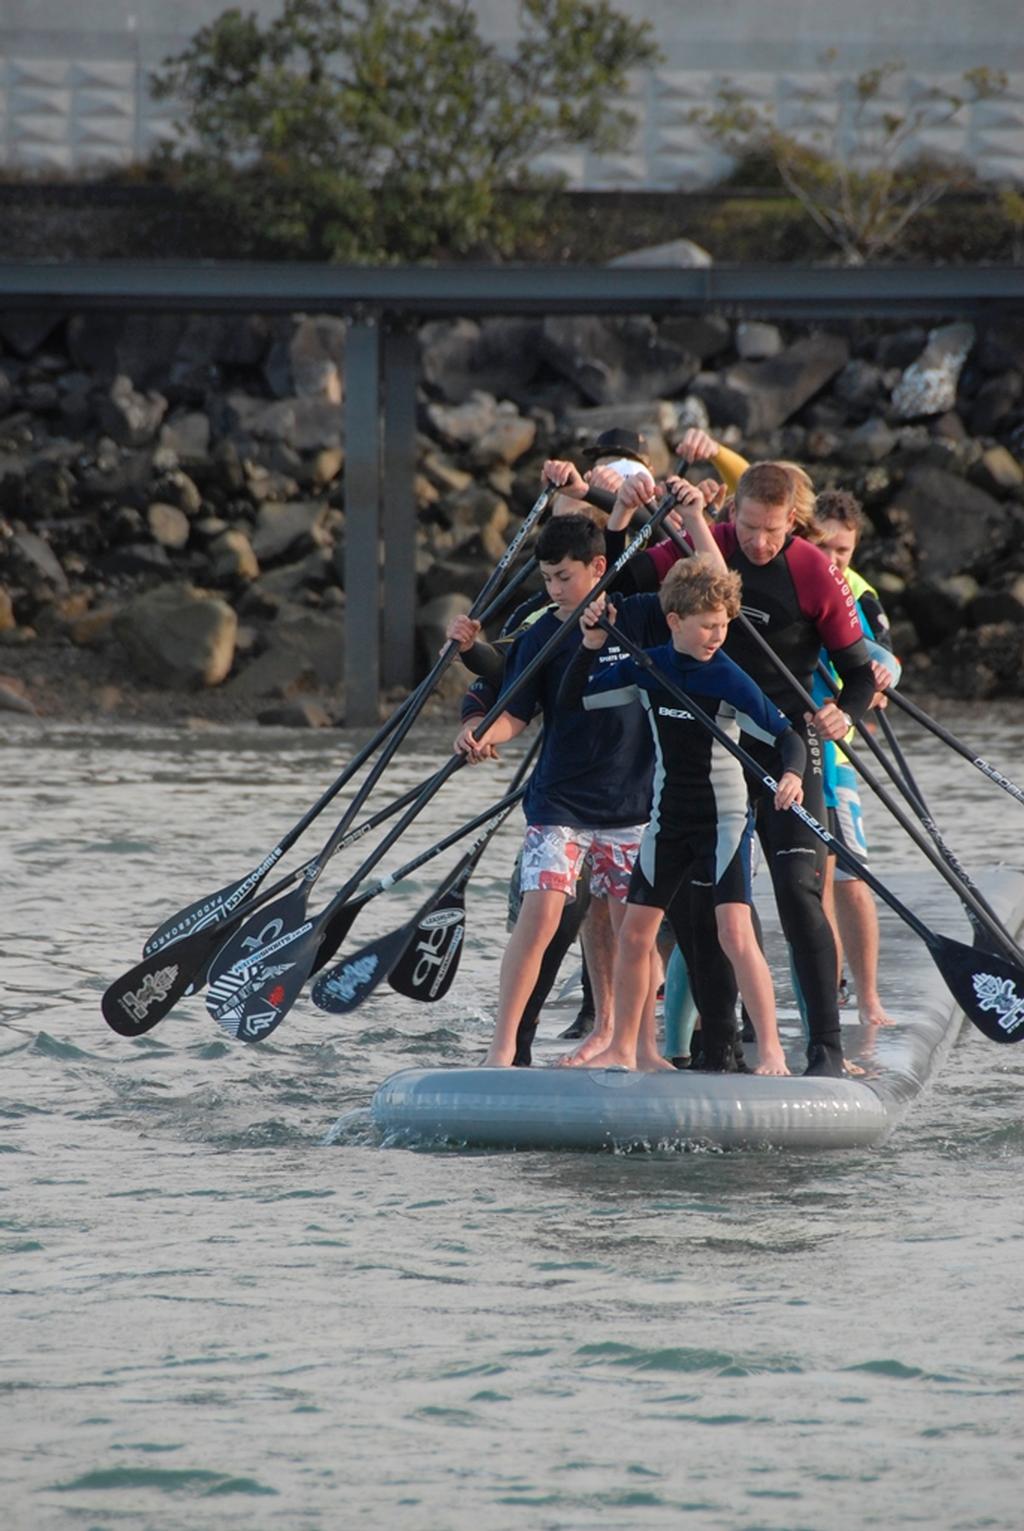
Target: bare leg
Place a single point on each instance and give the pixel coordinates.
(828, 903)
(739, 943)
(858, 923)
(637, 933)
(539, 914)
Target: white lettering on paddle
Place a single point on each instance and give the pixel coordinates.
(1000, 995)
(154, 987)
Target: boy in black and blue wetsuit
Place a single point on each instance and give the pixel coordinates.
(701, 826)
(589, 794)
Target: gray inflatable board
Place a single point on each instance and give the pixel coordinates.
(543, 1108)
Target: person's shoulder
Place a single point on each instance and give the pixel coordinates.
(634, 613)
(525, 614)
(816, 572)
(859, 585)
(724, 533)
(726, 675)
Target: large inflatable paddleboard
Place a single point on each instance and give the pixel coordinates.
(540, 1107)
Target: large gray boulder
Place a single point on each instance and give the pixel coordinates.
(290, 528)
(614, 361)
(928, 386)
(34, 562)
(304, 651)
(303, 424)
(462, 424)
(496, 356)
(759, 396)
(162, 349)
(307, 359)
(956, 525)
(127, 416)
(177, 636)
(681, 254)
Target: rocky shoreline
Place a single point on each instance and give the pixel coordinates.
(172, 506)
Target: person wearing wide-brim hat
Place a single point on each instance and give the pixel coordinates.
(618, 444)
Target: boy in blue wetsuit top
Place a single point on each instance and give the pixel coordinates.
(701, 826)
(590, 792)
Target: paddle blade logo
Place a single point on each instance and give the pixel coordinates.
(230, 993)
(1000, 995)
(154, 987)
(442, 918)
(345, 984)
(427, 967)
(253, 1026)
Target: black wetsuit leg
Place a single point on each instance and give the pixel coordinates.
(796, 863)
(564, 936)
(691, 914)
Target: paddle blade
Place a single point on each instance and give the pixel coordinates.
(344, 987)
(988, 988)
(252, 998)
(335, 931)
(136, 1001)
(250, 936)
(427, 967)
(214, 909)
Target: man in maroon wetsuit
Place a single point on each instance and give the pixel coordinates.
(800, 603)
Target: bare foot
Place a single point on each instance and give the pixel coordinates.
(496, 1059)
(580, 1056)
(773, 1061)
(874, 1014)
(612, 1058)
(653, 1063)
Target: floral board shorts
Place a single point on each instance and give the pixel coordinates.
(553, 855)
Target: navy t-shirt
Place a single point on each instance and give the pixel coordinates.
(594, 771)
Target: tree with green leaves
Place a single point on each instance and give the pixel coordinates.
(859, 180)
(378, 130)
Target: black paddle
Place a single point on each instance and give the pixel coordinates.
(136, 1001)
(423, 964)
(988, 989)
(922, 717)
(215, 908)
(249, 994)
(419, 959)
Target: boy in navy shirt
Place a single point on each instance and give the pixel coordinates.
(701, 826)
(589, 794)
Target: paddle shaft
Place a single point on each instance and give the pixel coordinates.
(419, 698)
(992, 927)
(493, 816)
(919, 715)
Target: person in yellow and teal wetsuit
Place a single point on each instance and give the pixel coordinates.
(848, 900)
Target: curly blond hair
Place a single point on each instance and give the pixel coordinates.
(696, 585)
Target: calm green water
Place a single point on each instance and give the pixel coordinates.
(224, 1304)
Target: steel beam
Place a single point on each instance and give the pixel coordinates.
(362, 521)
(401, 363)
(421, 291)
